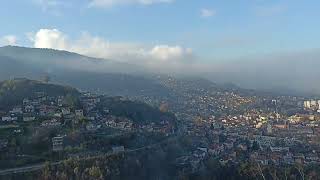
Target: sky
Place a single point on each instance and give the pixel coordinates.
(163, 30)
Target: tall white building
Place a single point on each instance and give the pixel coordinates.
(57, 143)
(313, 103)
(269, 128)
(307, 104)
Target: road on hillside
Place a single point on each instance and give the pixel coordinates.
(37, 167)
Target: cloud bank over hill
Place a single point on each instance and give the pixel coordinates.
(99, 47)
(286, 71)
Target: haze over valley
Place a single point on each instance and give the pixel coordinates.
(159, 90)
(291, 74)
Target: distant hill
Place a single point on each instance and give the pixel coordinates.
(114, 84)
(50, 60)
(285, 75)
(37, 55)
(13, 92)
(79, 71)
(92, 74)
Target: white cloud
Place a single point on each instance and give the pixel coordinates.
(208, 13)
(50, 38)
(165, 52)
(110, 3)
(8, 40)
(51, 6)
(99, 47)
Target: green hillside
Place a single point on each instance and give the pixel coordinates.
(13, 92)
(140, 113)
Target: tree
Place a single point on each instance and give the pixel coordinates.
(71, 100)
(300, 170)
(83, 121)
(222, 138)
(260, 171)
(95, 172)
(46, 172)
(255, 146)
(247, 169)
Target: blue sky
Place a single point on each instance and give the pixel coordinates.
(209, 29)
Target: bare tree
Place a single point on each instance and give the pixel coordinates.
(261, 172)
(300, 170)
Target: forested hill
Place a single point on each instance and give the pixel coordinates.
(139, 113)
(13, 92)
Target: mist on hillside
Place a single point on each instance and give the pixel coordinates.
(286, 73)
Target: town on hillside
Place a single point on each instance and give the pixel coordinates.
(195, 127)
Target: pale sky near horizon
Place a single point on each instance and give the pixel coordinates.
(163, 29)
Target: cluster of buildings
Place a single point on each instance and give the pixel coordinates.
(85, 113)
(48, 110)
(266, 138)
(312, 105)
(119, 123)
(197, 98)
(237, 145)
(226, 123)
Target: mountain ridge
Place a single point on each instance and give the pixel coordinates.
(87, 72)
